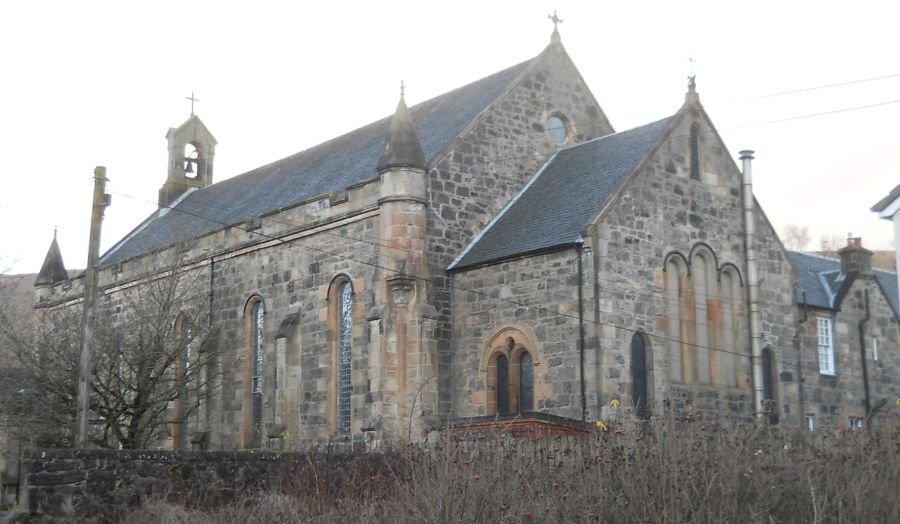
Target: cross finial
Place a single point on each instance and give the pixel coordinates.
(692, 75)
(402, 89)
(556, 21)
(192, 99)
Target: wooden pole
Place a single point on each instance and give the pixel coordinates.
(101, 200)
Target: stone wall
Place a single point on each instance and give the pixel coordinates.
(98, 485)
(490, 163)
(831, 400)
(537, 297)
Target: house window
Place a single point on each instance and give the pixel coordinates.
(856, 422)
(811, 422)
(345, 356)
(826, 347)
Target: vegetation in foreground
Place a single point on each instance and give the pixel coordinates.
(666, 470)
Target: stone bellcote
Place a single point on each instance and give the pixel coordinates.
(191, 151)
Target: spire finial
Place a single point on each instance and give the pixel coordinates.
(54, 232)
(402, 89)
(692, 74)
(192, 99)
(556, 21)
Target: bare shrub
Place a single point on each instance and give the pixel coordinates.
(670, 469)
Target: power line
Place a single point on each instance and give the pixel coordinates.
(814, 88)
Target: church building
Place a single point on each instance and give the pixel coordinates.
(501, 253)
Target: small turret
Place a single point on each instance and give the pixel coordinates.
(53, 271)
(402, 147)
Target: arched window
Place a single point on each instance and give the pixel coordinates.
(502, 367)
(695, 151)
(768, 378)
(640, 383)
(675, 294)
(703, 296)
(730, 327)
(344, 309)
(181, 409)
(253, 371)
(511, 361)
(526, 382)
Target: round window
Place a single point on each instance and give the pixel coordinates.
(557, 129)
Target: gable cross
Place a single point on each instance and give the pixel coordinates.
(692, 75)
(556, 20)
(192, 99)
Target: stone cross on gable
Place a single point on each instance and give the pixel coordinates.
(192, 99)
(556, 21)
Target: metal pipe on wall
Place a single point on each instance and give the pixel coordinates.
(752, 281)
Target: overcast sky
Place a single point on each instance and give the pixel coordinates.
(99, 83)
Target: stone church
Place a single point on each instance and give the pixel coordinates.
(501, 252)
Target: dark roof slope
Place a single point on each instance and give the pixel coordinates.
(556, 205)
(330, 166)
(402, 147)
(822, 279)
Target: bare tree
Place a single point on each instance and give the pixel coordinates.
(795, 237)
(154, 360)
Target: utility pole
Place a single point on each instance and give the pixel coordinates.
(101, 200)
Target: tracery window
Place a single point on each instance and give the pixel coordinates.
(510, 377)
(255, 354)
(344, 356)
(181, 407)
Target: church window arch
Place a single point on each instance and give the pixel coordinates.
(526, 382)
(730, 293)
(511, 364)
(181, 407)
(254, 314)
(676, 296)
(770, 392)
(341, 314)
(641, 362)
(703, 265)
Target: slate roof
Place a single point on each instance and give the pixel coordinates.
(327, 167)
(571, 188)
(822, 278)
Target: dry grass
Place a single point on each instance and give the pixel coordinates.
(666, 470)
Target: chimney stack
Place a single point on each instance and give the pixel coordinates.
(855, 258)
